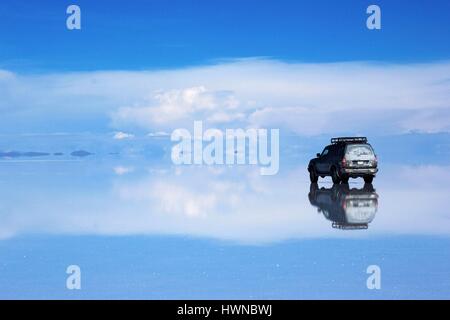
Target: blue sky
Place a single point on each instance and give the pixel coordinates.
(170, 34)
(152, 66)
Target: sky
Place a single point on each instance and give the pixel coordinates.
(152, 66)
(124, 35)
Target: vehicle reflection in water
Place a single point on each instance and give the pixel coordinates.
(348, 209)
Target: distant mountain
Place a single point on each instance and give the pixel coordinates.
(80, 153)
(18, 154)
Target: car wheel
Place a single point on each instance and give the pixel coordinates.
(368, 179)
(334, 176)
(313, 176)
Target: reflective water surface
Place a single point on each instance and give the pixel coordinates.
(140, 227)
(346, 207)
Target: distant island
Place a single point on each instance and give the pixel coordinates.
(18, 154)
(80, 153)
(30, 154)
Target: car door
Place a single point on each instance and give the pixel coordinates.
(322, 161)
(333, 156)
(330, 159)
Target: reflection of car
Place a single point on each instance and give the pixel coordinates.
(346, 208)
(345, 158)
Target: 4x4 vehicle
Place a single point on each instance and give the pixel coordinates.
(344, 158)
(346, 208)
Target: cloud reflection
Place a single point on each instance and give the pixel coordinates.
(232, 204)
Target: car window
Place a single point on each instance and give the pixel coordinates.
(325, 152)
(332, 151)
(340, 151)
(359, 150)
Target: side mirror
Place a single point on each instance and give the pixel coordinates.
(318, 155)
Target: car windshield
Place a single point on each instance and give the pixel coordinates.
(359, 150)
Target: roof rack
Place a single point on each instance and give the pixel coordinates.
(347, 226)
(349, 140)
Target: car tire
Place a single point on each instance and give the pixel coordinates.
(334, 176)
(368, 179)
(313, 176)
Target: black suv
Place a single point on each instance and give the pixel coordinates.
(344, 158)
(346, 208)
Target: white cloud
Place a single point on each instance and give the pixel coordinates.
(179, 106)
(298, 119)
(299, 97)
(158, 134)
(123, 135)
(121, 170)
(224, 117)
